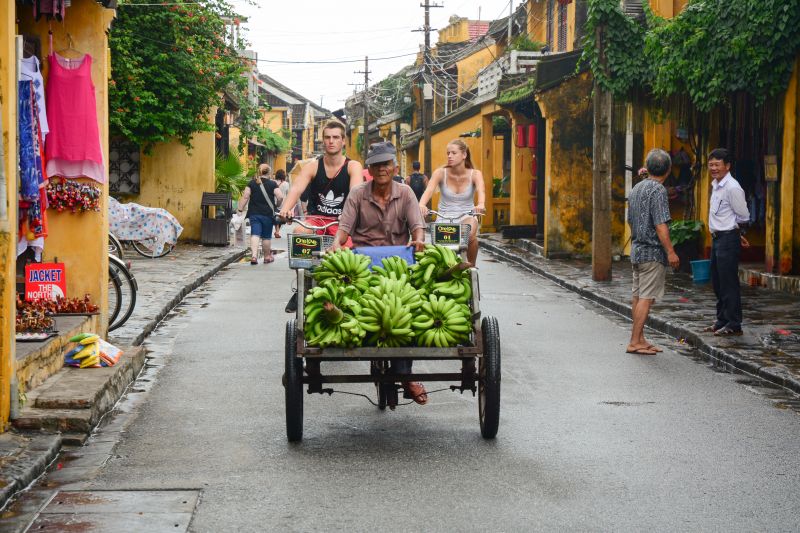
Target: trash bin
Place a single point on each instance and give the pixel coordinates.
(214, 229)
(701, 271)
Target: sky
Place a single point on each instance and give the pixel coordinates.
(305, 30)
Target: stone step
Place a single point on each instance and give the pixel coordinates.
(73, 400)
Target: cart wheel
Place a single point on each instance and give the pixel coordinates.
(293, 382)
(489, 379)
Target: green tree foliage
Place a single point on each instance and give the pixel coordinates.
(274, 143)
(712, 49)
(170, 65)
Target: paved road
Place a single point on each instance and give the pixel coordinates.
(590, 438)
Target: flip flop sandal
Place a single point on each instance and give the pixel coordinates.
(253, 260)
(641, 351)
(655, 348)
(712, 329)
(269, 259)
(417, 392)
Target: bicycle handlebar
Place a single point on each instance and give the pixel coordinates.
(470, 213)
(288, 220)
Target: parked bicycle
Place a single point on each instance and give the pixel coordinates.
(122, 289)
(145, 247)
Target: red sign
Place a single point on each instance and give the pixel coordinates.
(45, 281)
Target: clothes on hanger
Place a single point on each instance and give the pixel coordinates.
(33, 179)
(73, 144)
(32, 70)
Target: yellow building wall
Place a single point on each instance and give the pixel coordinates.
(455, 33)
(8, 222)
(175, 179)
(274, 120)
(537, 21)
(80, 241)
(469, 66)
(568, 166)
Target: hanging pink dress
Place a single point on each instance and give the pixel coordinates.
(73, 144)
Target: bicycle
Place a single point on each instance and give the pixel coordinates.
(122, 289)
(144, 247)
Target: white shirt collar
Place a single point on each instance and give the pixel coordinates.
(722, 182)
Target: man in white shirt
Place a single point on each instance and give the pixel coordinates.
(727, 215)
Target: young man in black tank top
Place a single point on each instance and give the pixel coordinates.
(327, 182)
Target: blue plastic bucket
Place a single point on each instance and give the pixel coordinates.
(701, 271)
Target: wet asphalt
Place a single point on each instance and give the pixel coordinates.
(590, 439)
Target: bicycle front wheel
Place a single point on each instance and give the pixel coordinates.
(114, 294)
(128, 289)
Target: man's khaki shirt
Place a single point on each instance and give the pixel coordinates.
(369, 224)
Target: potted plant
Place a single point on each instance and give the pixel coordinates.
(686, 237)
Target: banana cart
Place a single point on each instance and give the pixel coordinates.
(477, 362)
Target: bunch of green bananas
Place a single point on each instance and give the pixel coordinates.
(87, 351)
(330, 316)
(442, 322)
(392, 265)
(345, 268)
(388, 311)
(400, 287)
(431, 263)
(459, 289)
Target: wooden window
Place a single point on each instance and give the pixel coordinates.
(550, 14)
(562, 27)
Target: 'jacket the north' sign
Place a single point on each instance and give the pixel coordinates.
(45, 281)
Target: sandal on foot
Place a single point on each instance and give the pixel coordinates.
(728, 332)
(712, 328)
(417, 391)
(654, 348)
(254, 260)
(640, 351)
(269, 259)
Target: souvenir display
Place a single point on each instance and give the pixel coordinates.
(64, 194)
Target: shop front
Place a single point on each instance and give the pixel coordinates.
(53, 87)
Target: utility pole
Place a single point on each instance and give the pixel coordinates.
(510, 16)
(601, 172)
(365, 72)
(427, 88)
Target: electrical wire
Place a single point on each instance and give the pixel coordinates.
(332, 61)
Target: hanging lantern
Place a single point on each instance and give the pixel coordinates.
(532, 187)
(520, 136)
(534, 166)
(532, 205)
(532, 138)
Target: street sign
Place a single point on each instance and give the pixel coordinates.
(45, 281)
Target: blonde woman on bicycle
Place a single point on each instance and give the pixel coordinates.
(461, 190)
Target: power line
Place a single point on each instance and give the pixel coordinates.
(332, 61)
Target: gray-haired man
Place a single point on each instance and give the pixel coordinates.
(651, 247)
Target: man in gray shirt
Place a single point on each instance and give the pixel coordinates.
(651, 247)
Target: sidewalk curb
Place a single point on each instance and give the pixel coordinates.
(189, 287)
(772, 374)
(31, 463)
